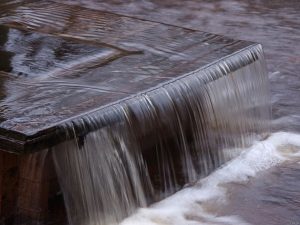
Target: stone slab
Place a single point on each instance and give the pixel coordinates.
(60, 62)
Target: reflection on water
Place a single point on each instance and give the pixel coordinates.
(37, 55)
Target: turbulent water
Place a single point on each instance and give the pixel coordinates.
(210, 201)
(259, 187)
(148, 147)
(199, 133)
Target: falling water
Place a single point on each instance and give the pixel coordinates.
(146, 147)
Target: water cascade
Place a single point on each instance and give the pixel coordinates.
(146, 147)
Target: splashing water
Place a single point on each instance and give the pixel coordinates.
(191, 205)
(145, 148)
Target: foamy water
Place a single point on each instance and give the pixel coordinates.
(188, 207)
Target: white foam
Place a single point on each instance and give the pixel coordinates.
(185, 208)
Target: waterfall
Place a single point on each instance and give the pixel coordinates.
(146, 147)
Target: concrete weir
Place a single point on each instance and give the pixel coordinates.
(65, 71)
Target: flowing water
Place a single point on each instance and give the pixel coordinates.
(163, 139)
(240, 193)
(261, 186)
(146, 148)
(275, 24)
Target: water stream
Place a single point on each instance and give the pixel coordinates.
(148, 147)
(196, 137)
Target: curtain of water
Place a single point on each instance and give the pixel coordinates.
(147, 147)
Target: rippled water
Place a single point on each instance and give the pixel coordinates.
(262, 185)
(275, 24)
(272, 196)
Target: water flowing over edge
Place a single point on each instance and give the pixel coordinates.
(147, 147)
(188, 205)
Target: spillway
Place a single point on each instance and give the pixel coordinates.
(148, 147)
(130, 110)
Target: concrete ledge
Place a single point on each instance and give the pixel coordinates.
(78, 61)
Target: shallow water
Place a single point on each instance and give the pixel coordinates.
(260, 186)
(272, 195)
(251, 194)
(188, 123)
(275, 24)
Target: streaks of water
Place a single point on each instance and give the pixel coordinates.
(212, 200)
(147, 147)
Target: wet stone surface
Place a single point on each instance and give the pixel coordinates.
(36, 55)
(59, 62)
(275, 24)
